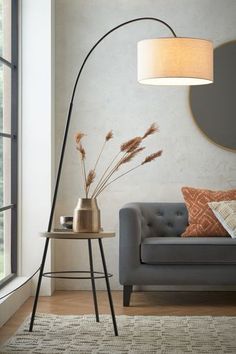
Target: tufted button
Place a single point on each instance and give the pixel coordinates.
(170, 224)
(159, 213)
(179, 213)
(149, 224)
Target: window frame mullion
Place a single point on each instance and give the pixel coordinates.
(14, 130)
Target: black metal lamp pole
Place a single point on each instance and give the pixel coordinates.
(64, 146)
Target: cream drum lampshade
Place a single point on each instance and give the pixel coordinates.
(175, 61)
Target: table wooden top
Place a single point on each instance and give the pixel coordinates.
(65, 234)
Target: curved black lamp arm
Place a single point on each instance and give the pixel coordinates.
(71, 105)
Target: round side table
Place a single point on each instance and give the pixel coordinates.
(73, 274)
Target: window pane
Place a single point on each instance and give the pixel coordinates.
(5, 98)
(5, 171)
(5, 29)
(5, 244)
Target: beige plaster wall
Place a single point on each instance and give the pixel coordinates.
(109, 97)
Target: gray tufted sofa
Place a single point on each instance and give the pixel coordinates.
(151, 251)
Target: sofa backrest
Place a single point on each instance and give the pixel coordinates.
(163, 219)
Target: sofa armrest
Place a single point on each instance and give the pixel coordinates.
(130, 239)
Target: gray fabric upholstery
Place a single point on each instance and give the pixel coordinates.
(189, 250)
(143, 223)
(163, 219)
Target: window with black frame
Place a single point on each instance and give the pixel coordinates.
(8, 138)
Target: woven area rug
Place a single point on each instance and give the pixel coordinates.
(137, 334)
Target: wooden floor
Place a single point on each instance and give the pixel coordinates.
(142, 303)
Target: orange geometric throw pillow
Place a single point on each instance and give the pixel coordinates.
(202, 221)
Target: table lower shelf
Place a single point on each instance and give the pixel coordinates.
(97, 275)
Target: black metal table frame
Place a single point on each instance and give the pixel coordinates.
(100, 275)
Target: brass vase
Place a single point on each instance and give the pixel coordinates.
(87, 216)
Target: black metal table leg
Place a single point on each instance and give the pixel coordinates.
(108, 287)
(93, 280)
(39, 285)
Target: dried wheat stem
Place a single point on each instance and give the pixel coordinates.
(127, 147)
(81, 149)
(105, 172)
(115, 179)
(110, 173)
(78, 137)
(125, 159)
(85, 177)
(152, 157)
(90, 180)
(99, 155)
(83, 174)
(108, 137)
(148, 159)
(151, 130)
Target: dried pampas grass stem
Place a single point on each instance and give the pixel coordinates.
(151, 130)
(131, 155)
(90, 179)
(127, 152)
(149, 158)
(78, 137)
(82, 152)
(131, 144)
(152, 157)
(108, 137)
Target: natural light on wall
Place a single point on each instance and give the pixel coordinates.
(175, 61)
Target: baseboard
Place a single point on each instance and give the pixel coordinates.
(10, 304)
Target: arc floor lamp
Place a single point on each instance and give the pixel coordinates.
(162, 61)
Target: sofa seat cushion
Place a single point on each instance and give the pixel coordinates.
(191, 250)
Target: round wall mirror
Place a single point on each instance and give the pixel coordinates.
(214, 106)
